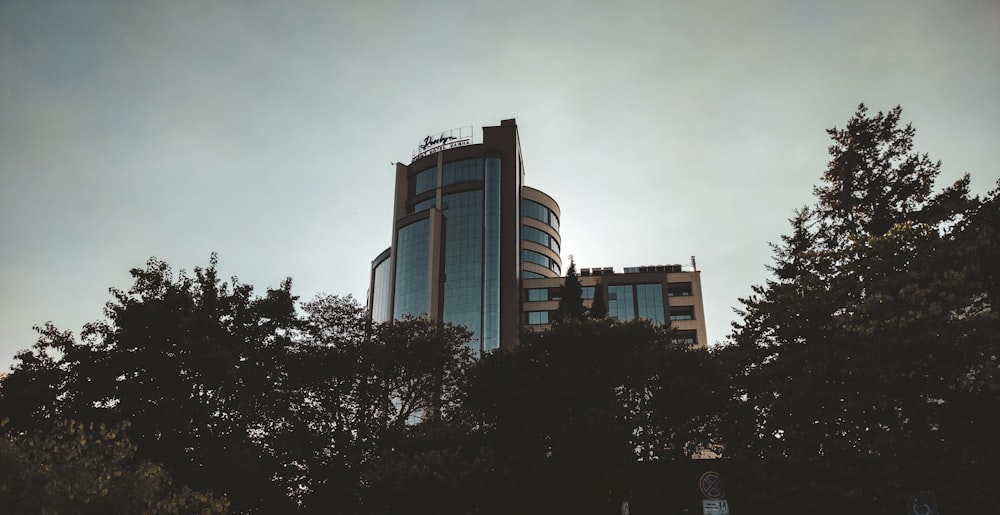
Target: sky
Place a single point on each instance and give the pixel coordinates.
(266, 131)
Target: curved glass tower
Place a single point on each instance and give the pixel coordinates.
(465, 232)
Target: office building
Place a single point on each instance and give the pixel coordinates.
(473, 245)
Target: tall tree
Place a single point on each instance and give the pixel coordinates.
(571, 296)
(856, 358)
(599, 306)
(195, 365)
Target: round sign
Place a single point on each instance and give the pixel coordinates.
(711, 485)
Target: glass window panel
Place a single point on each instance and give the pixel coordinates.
(620, 302)
(491, 256)
(679, 290)
(412, 264)
(381, 302)
(538, 317)
(463, 287)
(682, 313)
(426, 180)
(462, 171)
(424, 204)
(539, 259)
(649, 300)
(587, 292)
(535, 235)
(537, 294)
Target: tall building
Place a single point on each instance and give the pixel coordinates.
(472, 245)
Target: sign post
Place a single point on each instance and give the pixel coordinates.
(710, 485)
(714, 507)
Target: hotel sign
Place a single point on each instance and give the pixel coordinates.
(443, 141)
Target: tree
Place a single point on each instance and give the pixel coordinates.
(853, 364)
(240, 394)
(571, 296)
(358, 398)
(563, 419)
(197, 367)
(598, 307)
(83, 468)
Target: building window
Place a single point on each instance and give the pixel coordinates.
(412, 265)
(463, 261)
(621, 305)
(540, 237)
(679, 290)
(587, 292)
(462, 171)
(531, 275)
(631, 301)
(533, 209)
(540, 259)
(682, 313)
(426, 180)
(684, 338)
(537, 317)
(649, 302)
(491, 256)
(382, 289)
(424, 204)
(538, 294)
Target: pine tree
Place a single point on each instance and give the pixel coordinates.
(599, 307)
(860, 357)
(571, 296)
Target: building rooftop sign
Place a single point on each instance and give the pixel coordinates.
(443, 141)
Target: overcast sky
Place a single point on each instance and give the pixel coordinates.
(264, 131)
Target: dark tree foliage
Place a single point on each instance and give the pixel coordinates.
(568, 413)
(599, 306)
(192, 363)
(868, 363)
(83, 468)
(571, 296)
(240, 394)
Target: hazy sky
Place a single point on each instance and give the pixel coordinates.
(264, 130)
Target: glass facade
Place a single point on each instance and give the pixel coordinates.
(621, 304)
(462, 171)
(463, 261)
(426, 180)
(533, 209)
(471, 254)
(679, 290)
(629, 301)
(412, 268)
(424, 204)
(381, 291)
(540, 259)
(491, 256)
(540, 237)
(649, 301)
(537, 317)
(682, 313)
(531, 275)
(537, 294)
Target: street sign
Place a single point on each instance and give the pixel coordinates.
(714, 507)
(711, 485)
